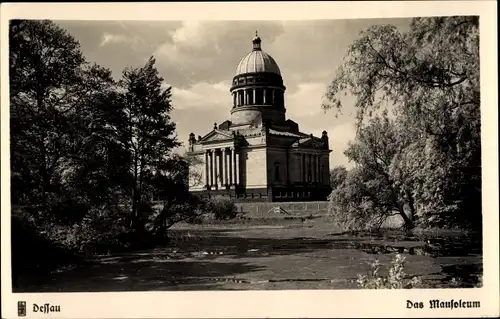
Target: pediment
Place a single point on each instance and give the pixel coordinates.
(308, 143)
(216, 135)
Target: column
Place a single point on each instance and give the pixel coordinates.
(264, 92)
(230, 166)
(319, 167)
(234, 99)
(210, 168)
(221, 168)
(303, 162)
(313, 167)
(207, 170)
(320, 171)
(224, 167)
(309, 167)
(254, 96)
(236, 168)
(304, 171)
(316, 170)
(216, 170)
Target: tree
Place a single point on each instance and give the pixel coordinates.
(54, 99)
(93, 169)
(430, 77)
(175, 203)
(148, 133)
(88, 153)
(337, 176)
(66, 156)
(44, 61)
(373, 185)
(195, 173)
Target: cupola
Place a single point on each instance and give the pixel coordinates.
(257, 89)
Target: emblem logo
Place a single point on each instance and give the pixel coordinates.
(21, 308)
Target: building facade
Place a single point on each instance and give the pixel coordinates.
(259, 155)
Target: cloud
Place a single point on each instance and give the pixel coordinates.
(199, 58)
(306, 100)
(193, 44)
(195, 51)
(196, 35)
(339, 137)
(199, 106)
(304, 107)
(214, 96)
(109, 38)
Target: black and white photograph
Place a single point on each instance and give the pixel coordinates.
(245, 155)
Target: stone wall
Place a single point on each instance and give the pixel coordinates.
(283, 209)
(253, 168)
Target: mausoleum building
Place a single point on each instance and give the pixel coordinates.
(259, 154)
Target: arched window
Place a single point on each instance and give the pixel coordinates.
(258, 96)
(249, 97)
(268, 96)
(279, 99)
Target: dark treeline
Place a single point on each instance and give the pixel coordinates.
(422, 159)
(88, 153)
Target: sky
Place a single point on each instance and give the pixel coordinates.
(199, 59)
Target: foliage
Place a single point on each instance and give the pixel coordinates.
(479, 283)
(89, 153)
(222, 208)
(52, 94)
(396, 278)
(429, 78)
(174, 202)
(345, 203)
(147, 133)
(337, 176)
(370, 193)
(32, 248)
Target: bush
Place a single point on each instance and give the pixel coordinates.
(222, 208)
(33, 252)
(395, 280)
(102, 230)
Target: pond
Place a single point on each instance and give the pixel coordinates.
(266, 257)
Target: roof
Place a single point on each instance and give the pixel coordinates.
(257, 61)
(274, 132)
(310, 142)
(250, 131)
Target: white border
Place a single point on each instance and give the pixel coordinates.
(250, 304)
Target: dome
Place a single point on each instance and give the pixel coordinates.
(257, 61)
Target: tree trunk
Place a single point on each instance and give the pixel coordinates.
(141, 174)
(411, 204)
(134, 196)
(408, 222)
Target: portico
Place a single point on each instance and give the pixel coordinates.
(221, 168)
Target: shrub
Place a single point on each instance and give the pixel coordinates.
(395, 280)
(222, 208)
(475, 281)
(479, 283)
(32, 250)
